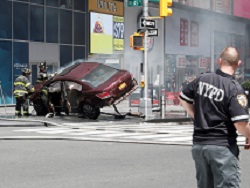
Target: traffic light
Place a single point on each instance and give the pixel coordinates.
(164, 8)
(137, 41)
(142, 83)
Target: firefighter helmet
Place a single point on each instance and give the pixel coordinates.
(43, 65)
(26, 71)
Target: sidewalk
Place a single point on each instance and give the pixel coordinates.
(173, 113)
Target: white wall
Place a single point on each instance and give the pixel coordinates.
(172, 32)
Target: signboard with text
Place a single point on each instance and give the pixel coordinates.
(242, 8)
(118, 34)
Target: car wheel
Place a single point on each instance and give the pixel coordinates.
(90, 111)
(40, 108)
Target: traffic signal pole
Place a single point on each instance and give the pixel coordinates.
(139, 41)
(147, 102)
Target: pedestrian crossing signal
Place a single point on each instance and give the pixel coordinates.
(142, 84)
(137, 41)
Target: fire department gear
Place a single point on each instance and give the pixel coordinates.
(26, 71)
(42, 77)
(43, 65)
(22, 88)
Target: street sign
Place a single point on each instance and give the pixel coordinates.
(147, 23)
(152, 32)
(134, 3)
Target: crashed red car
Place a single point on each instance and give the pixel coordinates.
(84, 87)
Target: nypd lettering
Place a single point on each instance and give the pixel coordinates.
(210, 91)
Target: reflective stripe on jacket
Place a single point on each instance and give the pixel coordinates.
(22, 86)
(41, 77)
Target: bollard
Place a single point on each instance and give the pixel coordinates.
(163, 103)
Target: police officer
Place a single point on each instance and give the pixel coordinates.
(218, 105)
(22, 89)
(42, 76)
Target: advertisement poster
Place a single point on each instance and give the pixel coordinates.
(118, 33)
(223, 6)
(183, 32)
(181, 61)
(204, 62)
(194, 34)
(101, 33)
(242, 8)
(6, 73)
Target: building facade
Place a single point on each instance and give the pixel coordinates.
(58, 32)
(190, 41)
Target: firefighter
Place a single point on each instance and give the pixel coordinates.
(22, 89)
(42, 76)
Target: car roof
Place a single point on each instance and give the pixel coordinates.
(78, 70)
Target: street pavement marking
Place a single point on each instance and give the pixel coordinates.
(139, 133)
(89, 133)
(120, 134)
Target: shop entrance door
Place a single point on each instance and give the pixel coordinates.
(40, 52)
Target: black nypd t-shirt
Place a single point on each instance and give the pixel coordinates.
(219, 101)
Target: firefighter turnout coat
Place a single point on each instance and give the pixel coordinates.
(22, 87)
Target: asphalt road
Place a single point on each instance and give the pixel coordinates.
(58, 163)
(74, 164)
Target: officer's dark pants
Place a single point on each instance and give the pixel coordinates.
(22, 102)
(216, 166)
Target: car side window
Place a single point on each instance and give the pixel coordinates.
(73, 85)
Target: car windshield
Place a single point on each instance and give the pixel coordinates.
(99, 75)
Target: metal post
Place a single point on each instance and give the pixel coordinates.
(163, 103)
(212, 52)
(147, 101)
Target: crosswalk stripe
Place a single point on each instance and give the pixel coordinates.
(142, 133)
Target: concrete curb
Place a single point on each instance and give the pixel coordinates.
(91, 140)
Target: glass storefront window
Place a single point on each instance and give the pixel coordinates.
(53, 3)
(52, 25)
(20, 21)
(6, 72)
(79, 52)
(5, 19)
(37, 23)
(80, 5)
(20, 57)
(65, 27)
(65, 55)
(79, 28)
(66, 4)
(37, 1)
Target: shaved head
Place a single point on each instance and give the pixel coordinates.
(230, 56)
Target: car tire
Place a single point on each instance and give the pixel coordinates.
(90, 111)
(40, 108)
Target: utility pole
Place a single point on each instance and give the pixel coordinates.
(139, 41)
(147, 102)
